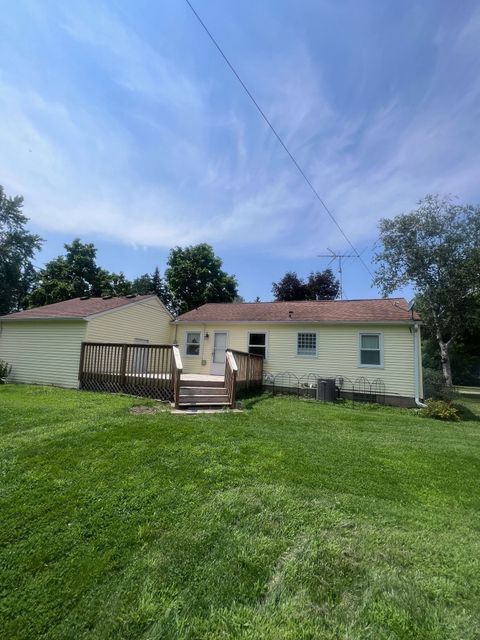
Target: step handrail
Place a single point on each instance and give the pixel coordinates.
(231, 371)
(177, 368)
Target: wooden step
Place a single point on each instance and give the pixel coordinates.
(202, 383)
(202, 391)
(211, 399)
(204, 405)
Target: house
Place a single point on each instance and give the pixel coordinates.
(364, 344)
(368, 342)
(43, 345)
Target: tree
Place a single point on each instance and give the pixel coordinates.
(153, 283)
(17, 249)
(194, 276)
(119, 285)
(320, 285)
(74, 275)
(143, 285)
(464, 352)
(435, 249)
(159, 287)
(289, 288)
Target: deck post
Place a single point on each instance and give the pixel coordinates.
(82, 360)
(123, 366)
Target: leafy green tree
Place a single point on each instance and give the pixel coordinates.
(143, 285)
(320, 285)
(119, 285)
(76, 274)
(436, 250)
(289, 288)
(146, 283)
(160, 287)
(17, 249)
(464, 352)
(194, 276)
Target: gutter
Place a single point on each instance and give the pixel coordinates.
(292, 321)
(416, 365)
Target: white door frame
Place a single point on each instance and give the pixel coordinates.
(218, 368)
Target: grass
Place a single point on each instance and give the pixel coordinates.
(292, 520)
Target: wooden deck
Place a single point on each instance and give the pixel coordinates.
(201, 377)
(156, 371)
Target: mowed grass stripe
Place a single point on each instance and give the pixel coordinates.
(290, 520)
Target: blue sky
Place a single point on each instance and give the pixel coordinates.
(121, 124)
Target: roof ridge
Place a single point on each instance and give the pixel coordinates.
(300, 301)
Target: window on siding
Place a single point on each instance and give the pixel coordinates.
(257, 344)
(193, 343)
(370, 350)
(306, 344)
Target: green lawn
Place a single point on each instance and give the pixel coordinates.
(291, 520)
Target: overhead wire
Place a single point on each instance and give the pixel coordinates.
(279, 138)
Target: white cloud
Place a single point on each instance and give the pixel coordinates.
(221, 176)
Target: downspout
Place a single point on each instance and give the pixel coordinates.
(416, 359)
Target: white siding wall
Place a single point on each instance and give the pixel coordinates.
(146, 319)
(43, 351)
(337, 351)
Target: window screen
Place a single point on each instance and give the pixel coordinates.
(370, 351)
(193, 343)
(257, 344)
(307, 344)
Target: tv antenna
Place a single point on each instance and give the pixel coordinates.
(337, 256)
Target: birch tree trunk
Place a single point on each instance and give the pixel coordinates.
(445, 360)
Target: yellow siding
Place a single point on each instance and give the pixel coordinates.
(147, 320)
(43, 351)
(337, 351)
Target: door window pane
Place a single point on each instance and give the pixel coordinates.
(219, 347)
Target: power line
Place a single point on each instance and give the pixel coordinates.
(277, 135)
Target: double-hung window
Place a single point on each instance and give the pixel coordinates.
(371, 351)
(307, 344)
(193, 343)
(257, 344)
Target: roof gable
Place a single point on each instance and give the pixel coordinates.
(77, 308)
(374, 310)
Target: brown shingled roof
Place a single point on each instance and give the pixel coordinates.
(75, 308)
(379, 310)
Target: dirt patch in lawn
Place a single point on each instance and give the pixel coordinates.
(143, 410)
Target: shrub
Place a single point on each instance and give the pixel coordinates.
(5, 369)
(441, 410)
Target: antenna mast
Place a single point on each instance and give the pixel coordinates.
(337, 256)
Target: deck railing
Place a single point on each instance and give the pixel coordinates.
(249, 374)
(139, 369)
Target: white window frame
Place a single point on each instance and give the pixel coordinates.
(266, 342)
(304, 355)
(191, 355)
(380, 345)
